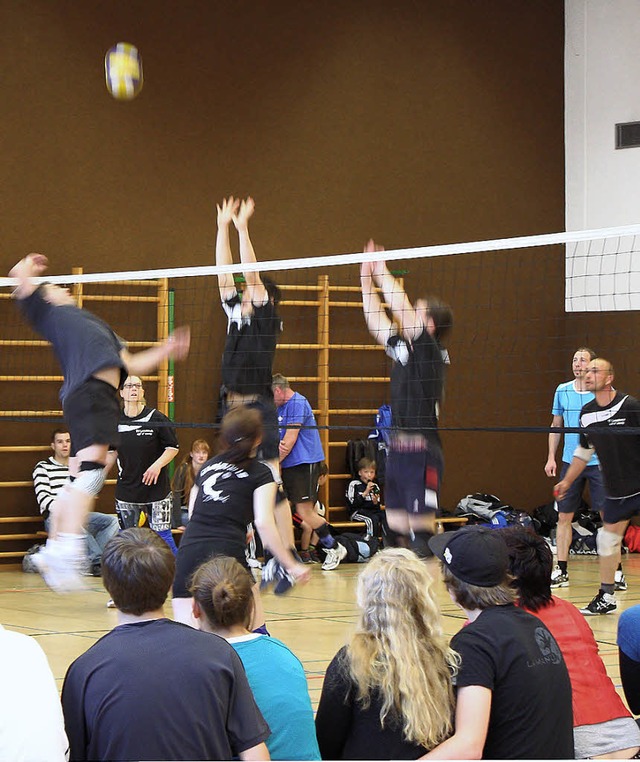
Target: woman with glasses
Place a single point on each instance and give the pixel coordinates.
(148, 443)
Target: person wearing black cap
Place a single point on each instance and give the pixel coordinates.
(513, 691)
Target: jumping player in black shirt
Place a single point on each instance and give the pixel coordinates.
(252, 330)
(94, 363)
(414, 465)
(620, 462)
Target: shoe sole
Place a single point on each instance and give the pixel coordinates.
(556, 585)
(586, 612)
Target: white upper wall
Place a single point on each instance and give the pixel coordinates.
(602, 81)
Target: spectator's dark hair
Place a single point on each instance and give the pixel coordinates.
(366, 463)
(137, 570)
(59, 430)
(223, 589)
(531, 563)
(442, 316)
(275, 294)
(472, 597)
(241, 429)
(588, 350)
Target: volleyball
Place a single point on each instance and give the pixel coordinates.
(123, 71)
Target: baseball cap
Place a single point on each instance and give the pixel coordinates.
(476, 555)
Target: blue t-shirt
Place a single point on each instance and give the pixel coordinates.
(568, 403)
(308, 447)
(629, 632)
(279, 687)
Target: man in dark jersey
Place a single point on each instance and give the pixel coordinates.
(94, 363)
(619, 456)
(252, 330)
(414, 465)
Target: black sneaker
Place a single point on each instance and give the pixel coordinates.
(603, 603)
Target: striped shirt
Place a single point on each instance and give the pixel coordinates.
(48, 479)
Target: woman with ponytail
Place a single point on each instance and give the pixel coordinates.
(223, 603)
(232, 489)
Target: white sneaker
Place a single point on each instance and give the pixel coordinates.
(111, 604)
(61, 567)
(253, 563)
(619, 580)
(334, 556)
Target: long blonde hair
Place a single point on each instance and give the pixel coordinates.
(399, 649)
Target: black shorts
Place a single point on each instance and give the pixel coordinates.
(193, 555)
(412, 481)
(92, 413)
(301, 482)
(620, 509)
(269, 447)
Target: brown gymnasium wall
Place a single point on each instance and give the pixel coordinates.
(414, 123)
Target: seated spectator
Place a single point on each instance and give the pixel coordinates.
(184, 479)
(31, 722)
(388, 693)
(119, 698)
(223, 604)
(363, 498)
(513, 695)
(629, 655)
(49, 478)
(602, 725)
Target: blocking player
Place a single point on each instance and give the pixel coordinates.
(253, 326)
(413, 341)
(602, 418)
(94, 363)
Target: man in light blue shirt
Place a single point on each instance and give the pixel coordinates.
(568, 401)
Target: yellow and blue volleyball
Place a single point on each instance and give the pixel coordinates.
(123, 71)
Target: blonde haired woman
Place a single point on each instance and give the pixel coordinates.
(388, 693)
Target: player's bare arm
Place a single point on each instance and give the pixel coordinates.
(257, 291)
(226, 211)
(378, 323)
(397, 300)
(554, 442)
(29, 267)
(175, 346)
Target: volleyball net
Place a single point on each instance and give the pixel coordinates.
(521, 307)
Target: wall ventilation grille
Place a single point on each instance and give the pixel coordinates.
(628, 135)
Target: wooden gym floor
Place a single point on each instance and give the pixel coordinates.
(314, 620)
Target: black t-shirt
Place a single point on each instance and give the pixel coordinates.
(417, 379)
(142, 442)
(247, 359)
(513, 654)
(224, 504)
(160, 690)
(83, 344)
(346, 730)
(619, 454)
